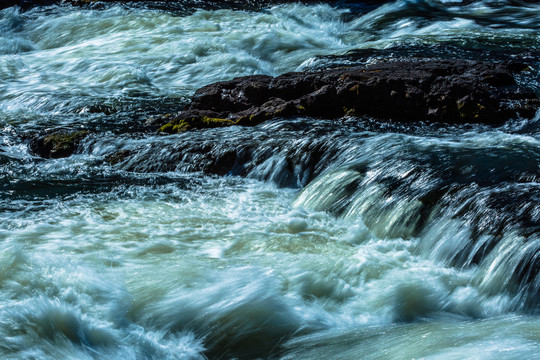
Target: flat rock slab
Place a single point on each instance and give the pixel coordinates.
(432, 90)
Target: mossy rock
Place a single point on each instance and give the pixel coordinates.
(472, 111)
(118, 157)
(59, 144)
(452, 91)
(204, 122)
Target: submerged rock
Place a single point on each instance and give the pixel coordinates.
(434, 90)
(118, 156)
(58, 144)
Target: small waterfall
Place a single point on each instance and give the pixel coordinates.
(470, 204)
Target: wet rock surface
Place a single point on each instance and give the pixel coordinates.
(58, 144)
(432, 90)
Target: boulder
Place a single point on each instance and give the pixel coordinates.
(58, 144)
(412, 90)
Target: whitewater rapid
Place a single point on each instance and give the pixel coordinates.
(342, 239)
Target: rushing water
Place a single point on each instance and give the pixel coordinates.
(346, 239)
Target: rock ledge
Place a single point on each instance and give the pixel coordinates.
(433, 90)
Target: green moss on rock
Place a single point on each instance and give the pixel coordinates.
(175, 126)
(204, 122)
(118, 157)
(59, 144)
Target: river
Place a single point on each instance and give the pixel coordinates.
(338, 239)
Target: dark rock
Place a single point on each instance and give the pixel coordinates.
(434, 90)
(529, 58)
(204, 121)
(118, 156)
(25, 4)
(58, 144)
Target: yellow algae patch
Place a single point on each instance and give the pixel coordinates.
(468, 110)
(215, 122)
(174, 127)
(204, 122)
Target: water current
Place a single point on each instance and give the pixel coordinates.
(343, 239)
